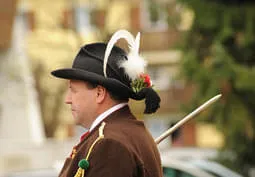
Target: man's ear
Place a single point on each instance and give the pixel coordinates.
(101, 94)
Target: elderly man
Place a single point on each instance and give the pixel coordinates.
(101, 81)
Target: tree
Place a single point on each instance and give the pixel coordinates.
(219, 57)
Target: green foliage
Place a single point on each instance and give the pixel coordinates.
(219, 57)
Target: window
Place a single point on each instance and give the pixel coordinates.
(165, 76)
(153, 18)
(160, 76)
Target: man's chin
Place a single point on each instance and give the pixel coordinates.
(76, 121)
(79, 122)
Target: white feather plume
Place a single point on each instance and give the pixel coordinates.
(135, 64)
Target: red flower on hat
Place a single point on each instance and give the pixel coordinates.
(143, 81)
(146, 79)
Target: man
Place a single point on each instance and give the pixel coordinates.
(117, 144)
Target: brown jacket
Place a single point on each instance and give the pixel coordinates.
(127, 150)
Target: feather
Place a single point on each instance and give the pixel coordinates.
(137, 43)
(135, 64)
(116, 36)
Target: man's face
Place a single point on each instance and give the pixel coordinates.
(82, 101)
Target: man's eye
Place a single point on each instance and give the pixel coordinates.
(73, 90)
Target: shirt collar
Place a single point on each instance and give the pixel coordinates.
(102, 116)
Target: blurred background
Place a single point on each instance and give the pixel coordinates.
(195, 50)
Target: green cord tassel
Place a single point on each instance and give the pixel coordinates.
(83, 165)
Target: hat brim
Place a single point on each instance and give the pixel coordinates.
(78, 74)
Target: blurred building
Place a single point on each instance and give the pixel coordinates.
(19, 111)
(20, 119)
(57, 29)
(52, 33)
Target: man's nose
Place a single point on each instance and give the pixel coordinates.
(68, 98)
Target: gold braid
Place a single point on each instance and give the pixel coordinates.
(101, 136)
(81, 172)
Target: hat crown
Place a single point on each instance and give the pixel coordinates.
(91, 57)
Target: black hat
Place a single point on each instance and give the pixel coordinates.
(102, 64)
(88, 66)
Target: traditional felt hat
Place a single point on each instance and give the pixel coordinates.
(88, 66)
(111, 67)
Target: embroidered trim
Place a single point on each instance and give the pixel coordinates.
(101, 136)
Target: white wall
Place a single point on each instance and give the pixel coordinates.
(19, 110)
